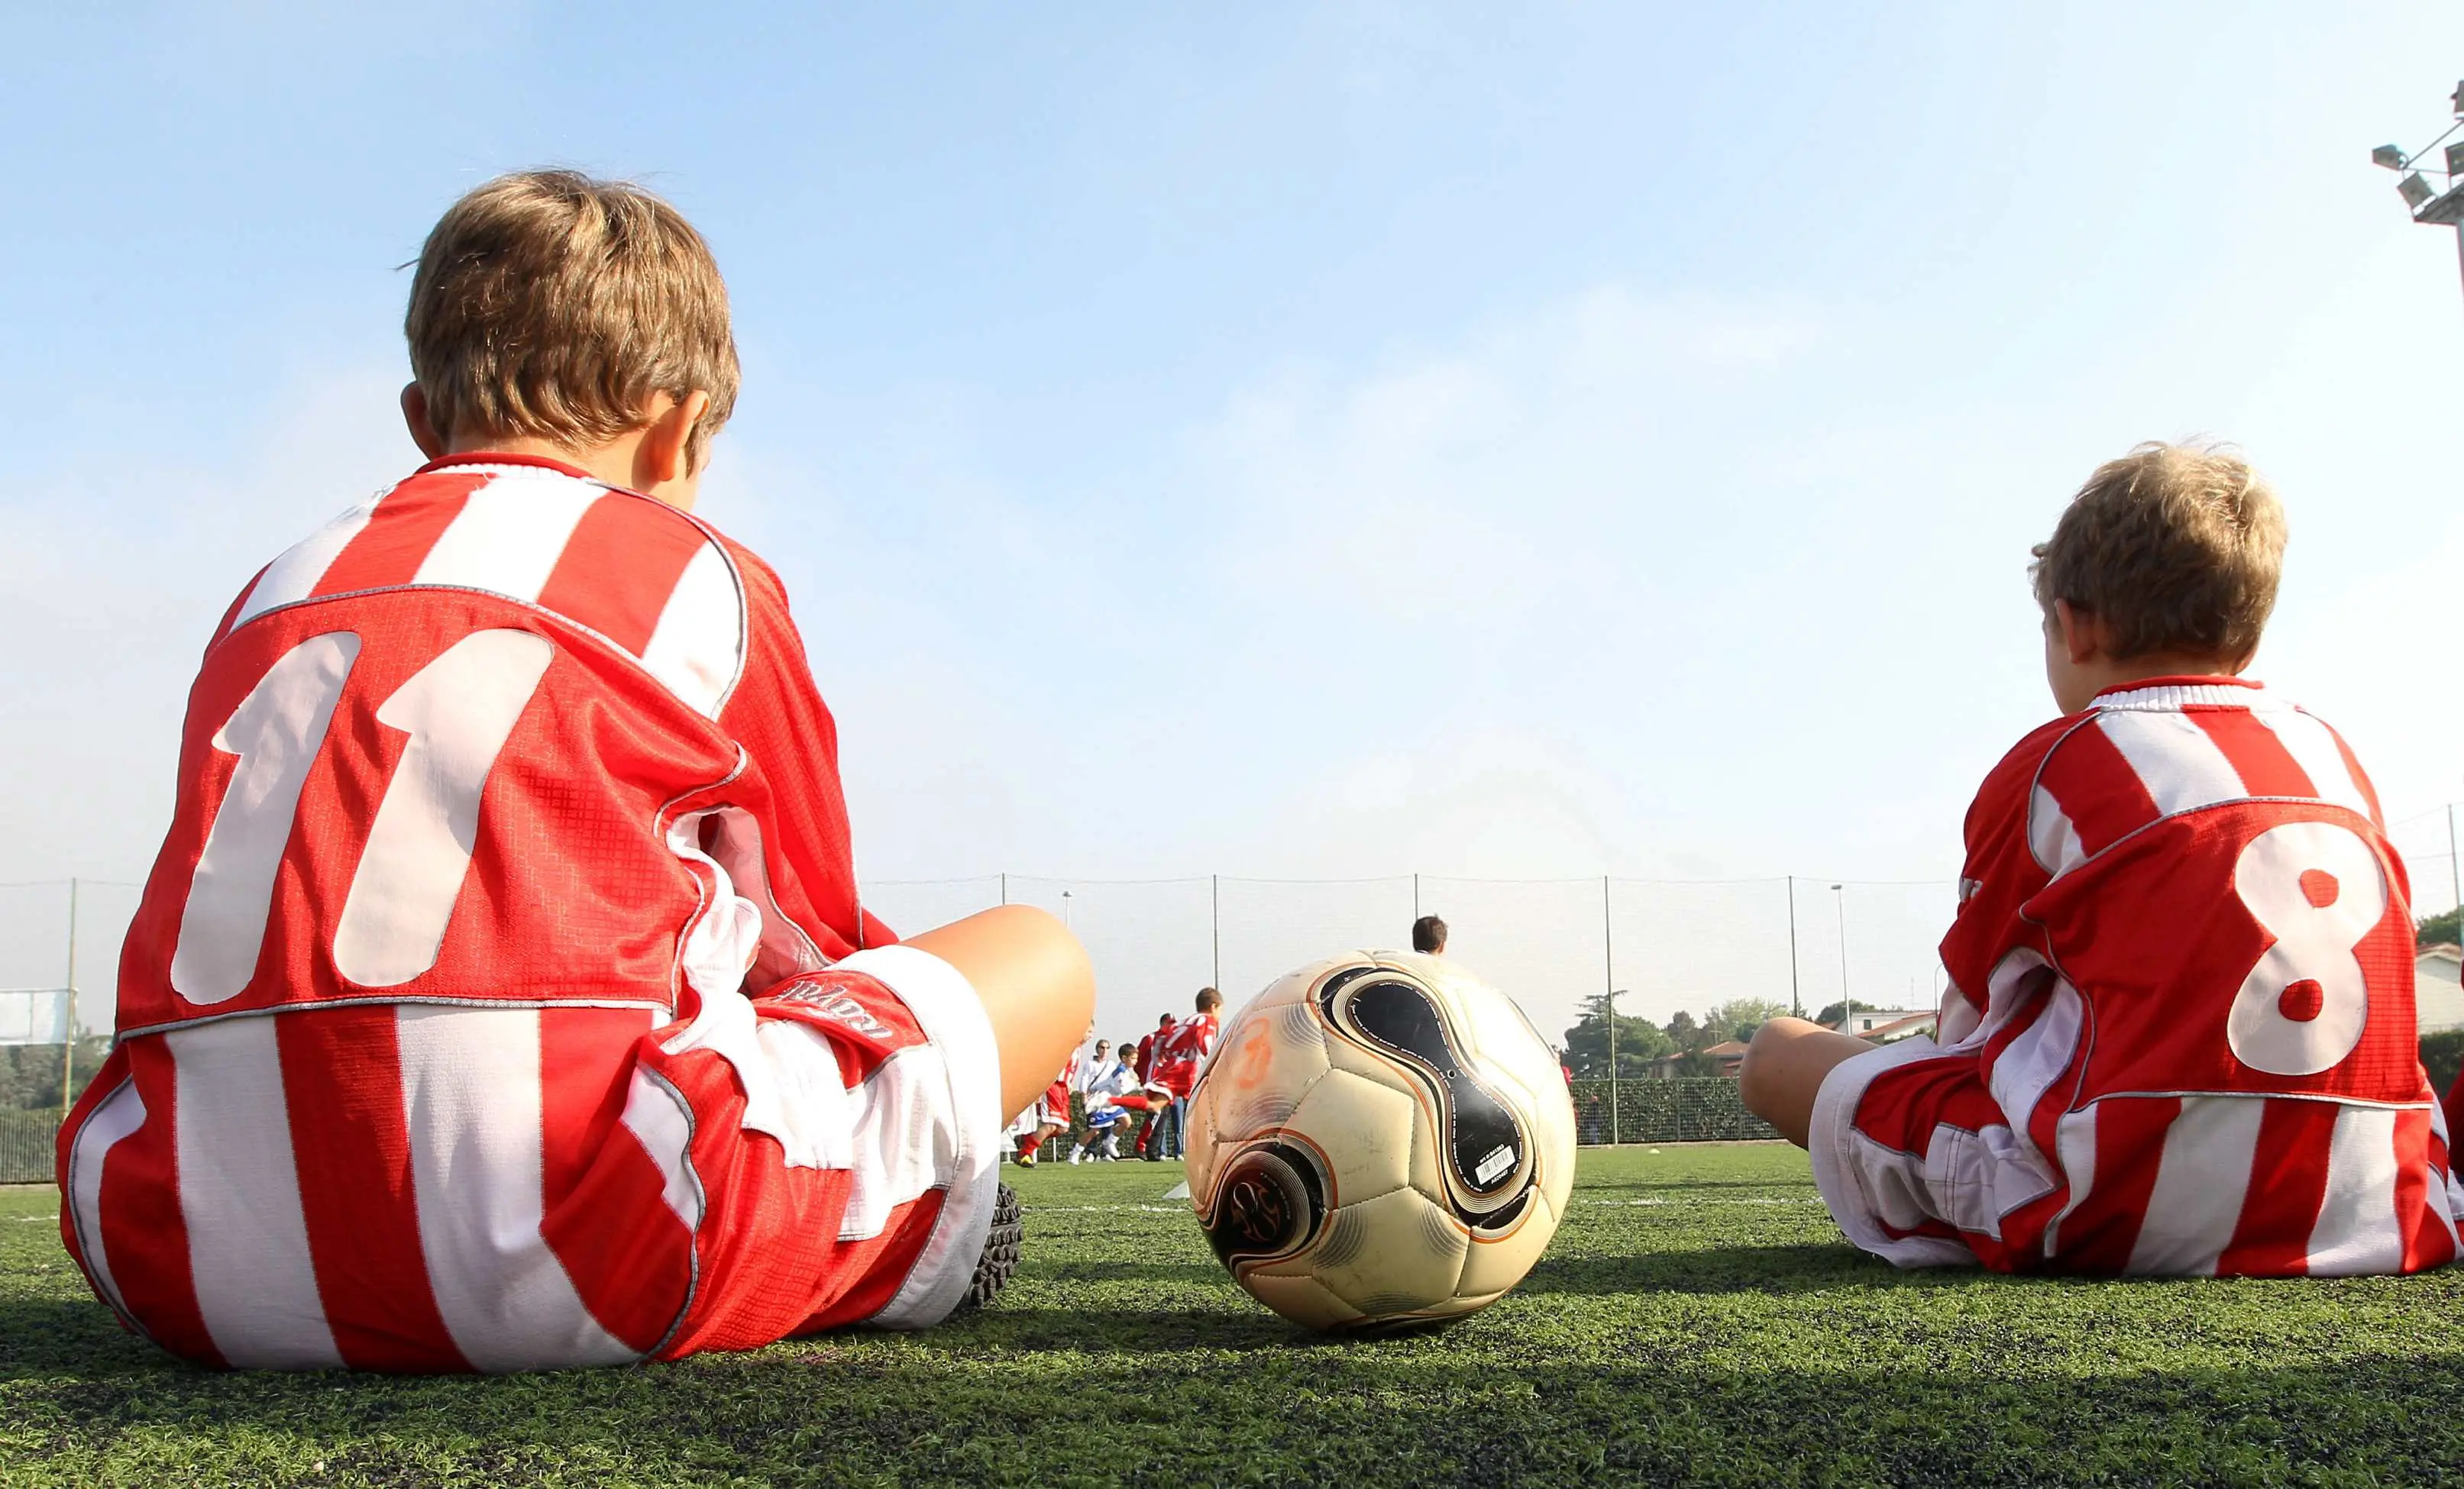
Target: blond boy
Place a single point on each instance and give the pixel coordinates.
(2179, 1036)
(502, 998)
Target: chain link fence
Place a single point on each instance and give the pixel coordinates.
(1687, 1109)
(1553, 945)
(26, 1139)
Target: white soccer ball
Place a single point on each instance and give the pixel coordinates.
(1379, 1141)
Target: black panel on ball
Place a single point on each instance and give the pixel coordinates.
(1269, 1202)
(1395, 1015)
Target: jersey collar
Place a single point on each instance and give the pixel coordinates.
(2164, 693)
(483, 457)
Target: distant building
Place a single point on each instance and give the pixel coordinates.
(2437, 999)
(1730, 1054)
(1898, 1028)
(1867, 1023)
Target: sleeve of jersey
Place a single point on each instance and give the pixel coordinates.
(777, 714)
(1999, 874)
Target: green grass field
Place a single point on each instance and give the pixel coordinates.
(1698, 1319)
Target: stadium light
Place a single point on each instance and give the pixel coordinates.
(2440, 205)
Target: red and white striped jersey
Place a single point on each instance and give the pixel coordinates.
(2181, 1032)
(1181, 1053)
(498, 796)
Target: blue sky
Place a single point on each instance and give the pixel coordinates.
(1295, 440)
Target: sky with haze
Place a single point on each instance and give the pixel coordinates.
(1295, 441)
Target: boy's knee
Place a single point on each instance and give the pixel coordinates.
(1753, 1074)
(1759, 1078)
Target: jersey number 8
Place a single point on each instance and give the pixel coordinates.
(2319, 890)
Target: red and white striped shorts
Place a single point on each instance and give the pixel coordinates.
(427, 1188)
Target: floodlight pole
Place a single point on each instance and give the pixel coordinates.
(68, 1010)
(2456, 866)
(2433, 208)
(1847, 1006)
(1215, 926)
(1796, 993)
(1608, 970)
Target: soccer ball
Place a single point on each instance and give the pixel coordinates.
(1379, 1142)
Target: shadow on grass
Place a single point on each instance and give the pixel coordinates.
(71, 1336)
(1063, 1273)
(1729, 1269)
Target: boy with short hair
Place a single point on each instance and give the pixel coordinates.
(501, 998)
(1177, 1061)
(1429, 936)
(2179, 1034)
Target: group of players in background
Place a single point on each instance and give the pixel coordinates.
(1144, 1086)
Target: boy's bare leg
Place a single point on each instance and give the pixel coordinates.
(1784, 1069)
(1037, 986)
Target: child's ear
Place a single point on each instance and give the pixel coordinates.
(2082, 636)
(664, 454)
(423, 432)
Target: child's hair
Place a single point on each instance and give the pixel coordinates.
(1209, 1001)
(1429, 935)
(551, 304)
(2175, 548)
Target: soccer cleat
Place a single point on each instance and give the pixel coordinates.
(1001, 1250)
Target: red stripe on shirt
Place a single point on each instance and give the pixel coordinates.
(2100, 1233)
(145, 1234)
(2093, 784)
(2266, 768)
(620, 566)
(632, 1276)
(342, 1080)
(399, 536)
(2288, 1183)
(2361, 776)
(2427, 1243)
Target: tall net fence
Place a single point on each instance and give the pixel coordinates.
(1555, 944)
(2428, 841)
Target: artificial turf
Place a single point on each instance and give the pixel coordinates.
(1698, 1319)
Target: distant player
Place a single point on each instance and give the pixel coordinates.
(1109, 1086)
(1429, 936)
(2180, 1032)
(1145, 1067)
(1177, 1059)
(500, 998)
(1053, 1114)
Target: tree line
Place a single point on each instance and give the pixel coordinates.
(1639, 1042)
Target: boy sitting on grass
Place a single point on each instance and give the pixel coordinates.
(501, 999)
(2179, 1036)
